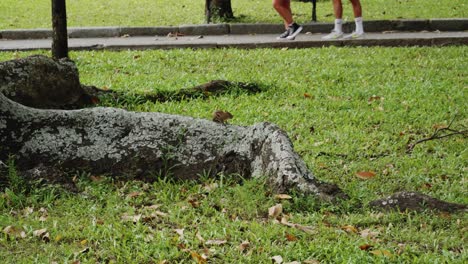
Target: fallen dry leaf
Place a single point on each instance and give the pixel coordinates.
(244, 245)
(311, 261)
(40, 232)
(374, 98)
(349, 229)
(133, 218)
(277, 259)
(307, 229)
(197, 257)
(96, 178)
(291, 237)
(365, 247)
(199, 237)
(283, 197)
(439, 126)
(275, 211)
(180, 232)
(307, 95)
(216, 242)
(134, 194)
(14, 231)
(381, 252)
(367, 233)
(27, 211)
(210, 187)
(365, 175)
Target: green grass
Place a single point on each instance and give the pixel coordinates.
(36, 14)
(415, 88)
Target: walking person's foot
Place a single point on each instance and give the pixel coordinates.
(295, 29)
(354, 35)
(290, 33)
(333, 35)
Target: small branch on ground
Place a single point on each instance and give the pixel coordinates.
(436, 135)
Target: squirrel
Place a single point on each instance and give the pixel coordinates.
(221, 116)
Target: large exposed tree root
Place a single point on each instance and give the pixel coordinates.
(119, 143)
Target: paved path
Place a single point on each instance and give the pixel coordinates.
(404, 32)
(244, 41)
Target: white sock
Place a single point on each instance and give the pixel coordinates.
(338, 25)
(359, 25)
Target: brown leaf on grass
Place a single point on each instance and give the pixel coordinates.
(199, 237)
(277, 259)
(180, 232)
(134, 194)
(27, 211)
(283, 197)
(381, 252)
(131, 218)
(275, 211)
(210, 187)
(310, 261)
(349, 229)
(215, 242)
(14, 231)
(308, 96)
(374, 98)
(195, 203)
(365, 247)
(42, 234)
(307, 229)
(439, 126)
(200, 259)
(96, 178)
(291, 237)
(367, 233)
(244, 245)
(365, 175)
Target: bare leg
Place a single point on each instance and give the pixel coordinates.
(338, 8)
(283, 7)
(356, 7)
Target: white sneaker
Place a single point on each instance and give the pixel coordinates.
(354, 35)
(333, 35)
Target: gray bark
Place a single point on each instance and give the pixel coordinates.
(121, 143)
(414, 201)
(41, 82)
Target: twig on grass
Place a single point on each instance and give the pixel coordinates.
(464, 133)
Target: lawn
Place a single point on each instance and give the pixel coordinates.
(345, 109)
(36, 14)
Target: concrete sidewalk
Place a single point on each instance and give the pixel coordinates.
(244, 41)
(422, 32)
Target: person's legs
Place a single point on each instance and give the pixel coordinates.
(357, 10)
(337, 31)
(283, 7)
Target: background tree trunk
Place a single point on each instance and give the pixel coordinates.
(218, 9)
(59, 29)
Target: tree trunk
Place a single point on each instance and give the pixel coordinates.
(59, 29)
(218, 9)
